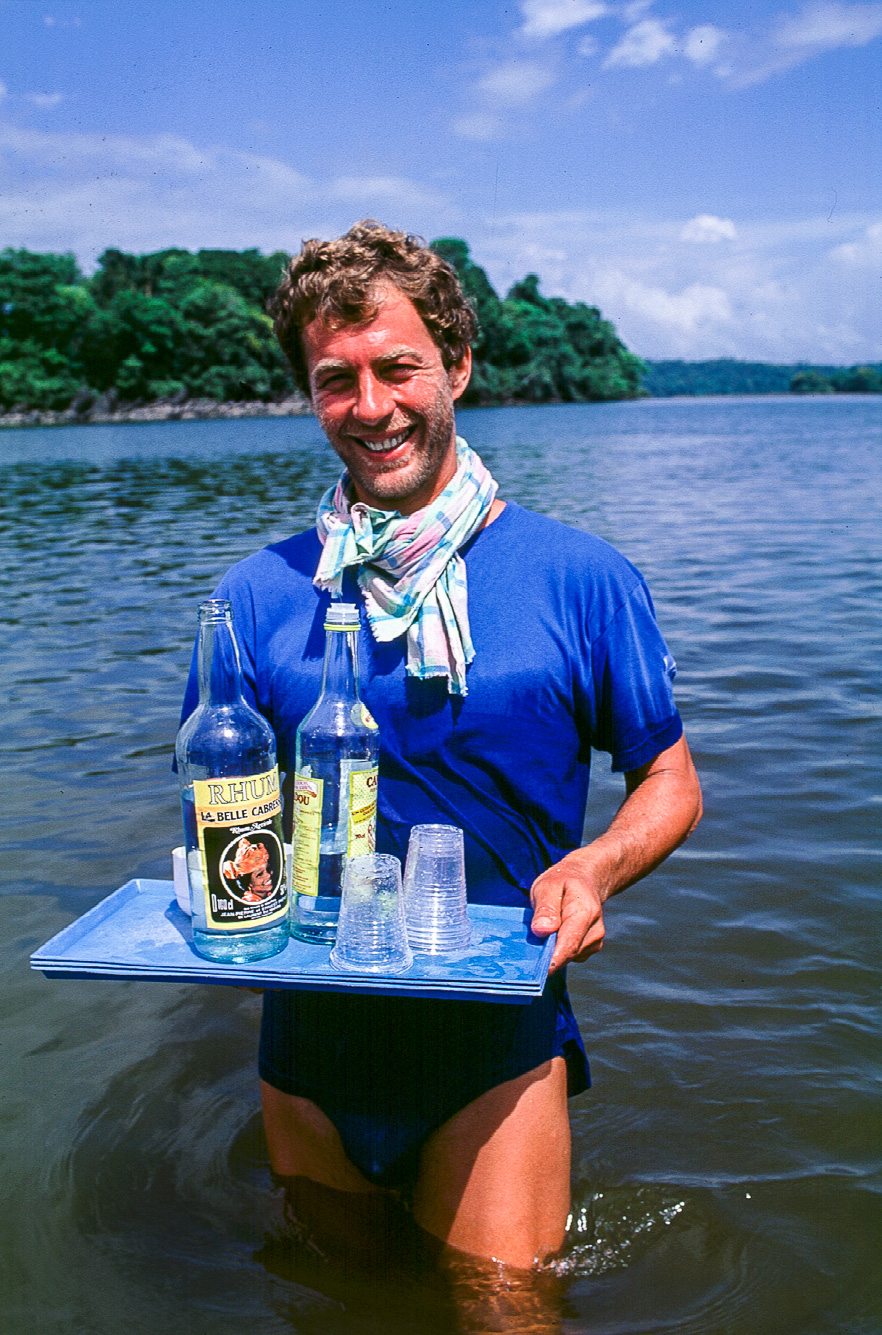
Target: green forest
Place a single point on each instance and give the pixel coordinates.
(726, 376)
(174, 325)
(146, 326)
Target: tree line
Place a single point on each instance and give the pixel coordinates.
(727, 376)
(174, 324)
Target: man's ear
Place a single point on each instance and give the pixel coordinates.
(460, 372)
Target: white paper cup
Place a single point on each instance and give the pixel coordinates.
(182, 884)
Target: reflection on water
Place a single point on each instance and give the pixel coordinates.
(726, 1160)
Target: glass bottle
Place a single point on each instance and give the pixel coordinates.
(335, 784)
(232, 807)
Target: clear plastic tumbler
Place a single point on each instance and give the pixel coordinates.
(371, 932)
(435, 890)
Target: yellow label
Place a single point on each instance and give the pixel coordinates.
(307, 834)
(239, 827)
(362, 812)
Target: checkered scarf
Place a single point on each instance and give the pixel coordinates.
(412, 577)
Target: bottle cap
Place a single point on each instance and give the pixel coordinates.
(341, 616)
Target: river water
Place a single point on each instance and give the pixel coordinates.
(726, 1161)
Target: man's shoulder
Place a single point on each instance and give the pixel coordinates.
(552, 543)
(292, 559)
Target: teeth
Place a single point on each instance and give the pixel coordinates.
(381, 446)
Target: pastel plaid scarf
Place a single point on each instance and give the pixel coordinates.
(413, 580)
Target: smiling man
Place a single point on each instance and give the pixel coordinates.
(497, 647)
(385, 401)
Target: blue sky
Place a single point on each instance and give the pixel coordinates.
(708, 174)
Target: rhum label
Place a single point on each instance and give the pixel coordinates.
(239, 824)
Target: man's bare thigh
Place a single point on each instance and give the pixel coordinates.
(493, 1180)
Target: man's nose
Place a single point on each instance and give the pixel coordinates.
(374, 399)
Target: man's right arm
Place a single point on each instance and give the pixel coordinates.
(661, 809)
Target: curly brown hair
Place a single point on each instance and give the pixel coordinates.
(337, 280)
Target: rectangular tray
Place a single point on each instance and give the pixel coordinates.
(139, 932)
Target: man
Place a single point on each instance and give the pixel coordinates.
(497, 647)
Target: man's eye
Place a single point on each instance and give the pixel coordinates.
(333, 381)
(399, 371)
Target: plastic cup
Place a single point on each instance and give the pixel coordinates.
(435, 890)
(371, 932)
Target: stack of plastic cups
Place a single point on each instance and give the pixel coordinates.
(435, 890)
(371, 934)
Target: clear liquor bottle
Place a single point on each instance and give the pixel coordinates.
(232, 807)
(335, 784)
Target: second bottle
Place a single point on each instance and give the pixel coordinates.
(335, 786)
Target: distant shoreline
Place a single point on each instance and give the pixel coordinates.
(685, 380)
(107, 410)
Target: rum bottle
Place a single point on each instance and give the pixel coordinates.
(232, 807)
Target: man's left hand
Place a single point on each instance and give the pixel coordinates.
(567, 900)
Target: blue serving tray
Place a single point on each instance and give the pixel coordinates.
(139, 932)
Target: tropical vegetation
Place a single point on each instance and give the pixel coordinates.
(174, 324)
(178, 325)
(727, 376)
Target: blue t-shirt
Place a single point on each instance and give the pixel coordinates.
(568, 657)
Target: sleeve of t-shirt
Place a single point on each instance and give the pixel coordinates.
(636, 717)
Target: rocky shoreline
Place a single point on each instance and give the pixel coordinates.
(89, 410)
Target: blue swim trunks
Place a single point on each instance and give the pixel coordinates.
(388, 1071)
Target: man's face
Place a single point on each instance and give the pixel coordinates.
(385, 402)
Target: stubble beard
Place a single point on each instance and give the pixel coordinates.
(392, 483)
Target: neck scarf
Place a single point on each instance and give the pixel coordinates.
(413, 579)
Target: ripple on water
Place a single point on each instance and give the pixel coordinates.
(730, 1019)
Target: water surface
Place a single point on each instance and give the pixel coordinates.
(727, 1158)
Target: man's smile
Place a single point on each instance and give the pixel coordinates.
(386, 444)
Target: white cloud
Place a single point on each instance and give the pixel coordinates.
(44, 101)
(478, 125)
(703, 43)
(165, 152)
(824, 27)
(741, 56)
(634, 12)
(84, 192)
(397, 190)
(549, 18)
(796, 38)
(515, 82)
(782, 292)
(644, 44)
(864, 253)
(4, 91)
(698, 306)
(707, 228)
